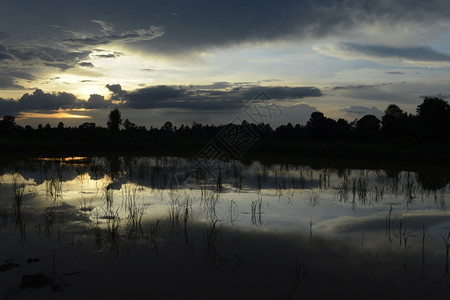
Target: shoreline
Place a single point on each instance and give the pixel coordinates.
(271, 151)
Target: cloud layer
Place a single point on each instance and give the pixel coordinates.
(386, 54)
(190, 98)
(130, 36)
(161, 43)
(40, 100)
(210, 99)
(202, 24)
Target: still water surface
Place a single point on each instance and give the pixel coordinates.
(268, 231)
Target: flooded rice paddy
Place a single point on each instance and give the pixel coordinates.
(169, 228)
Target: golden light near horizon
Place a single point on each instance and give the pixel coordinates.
(55, 115)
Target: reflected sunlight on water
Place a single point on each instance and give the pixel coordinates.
(118, 206)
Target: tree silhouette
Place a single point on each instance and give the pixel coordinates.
(167, 126)
(394, 122)
(434, 117)
(368, 126)
(87, 126)
(430, 124)
(286, 131)
(129, 125)
(319, 125)
(7, 124)
(114, 120)
(393, 112)
(342, 129)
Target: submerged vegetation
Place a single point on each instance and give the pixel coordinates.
(275, 231)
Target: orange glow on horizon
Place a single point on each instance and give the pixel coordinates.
(58, 115)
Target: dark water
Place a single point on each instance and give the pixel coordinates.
(168, 228)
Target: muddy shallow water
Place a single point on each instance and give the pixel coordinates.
(168, 228)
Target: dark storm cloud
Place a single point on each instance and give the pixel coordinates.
(213, 86)
(16, 74)
(422, 54)
(97, 101)
(86, 64)
(61, 66)
(350, 87)
(217, 97)
(207, 98)
(125, 37)
(236, 22)
(47, 54)
(48, 101)
(106, 27)
(176, 27)
(4, 53)
(8, 82)
(8, 107)
(284, 92)
(196, 24)
(362, 86)
(156, 97)
(117, 92)
(115, 88)
(4, 56)
(8, 79)
(17, 61)
(42, 101)
(106, 55)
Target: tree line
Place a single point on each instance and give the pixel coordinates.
(431, 122)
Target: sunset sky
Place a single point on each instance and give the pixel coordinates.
(204, 61)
